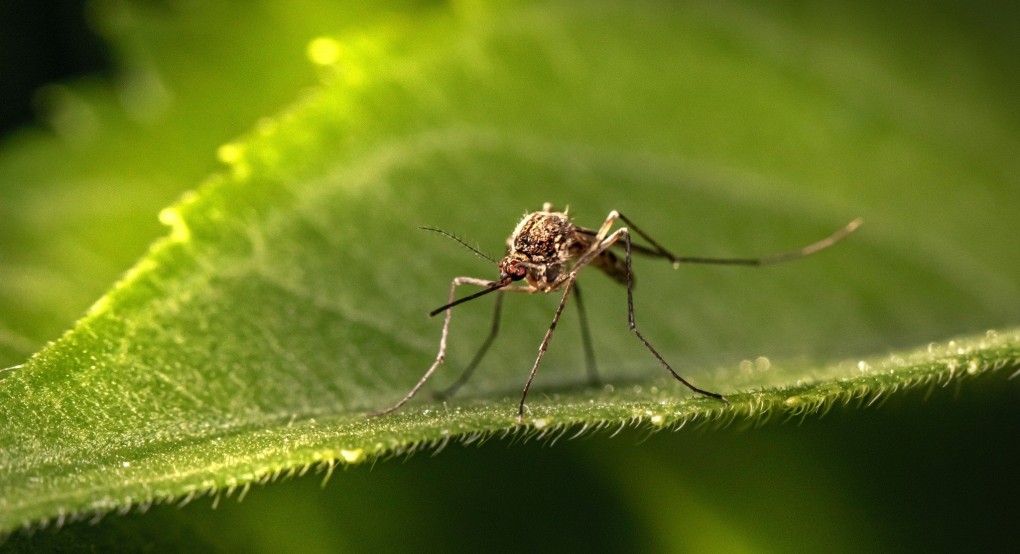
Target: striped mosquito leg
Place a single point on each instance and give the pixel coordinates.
(545, 344)
(441, 356)
(633, 326)
(589, 352)
(473, 364)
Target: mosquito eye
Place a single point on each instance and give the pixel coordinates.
(513, 269)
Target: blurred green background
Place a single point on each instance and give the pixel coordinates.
(80, 189)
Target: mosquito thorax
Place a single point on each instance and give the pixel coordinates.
(542, 237)
(540, 244)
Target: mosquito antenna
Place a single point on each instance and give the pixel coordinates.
(492, 287)
(461, 241)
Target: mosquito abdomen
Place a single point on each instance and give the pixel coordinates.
(612, 266)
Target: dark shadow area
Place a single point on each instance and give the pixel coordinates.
(40, 43)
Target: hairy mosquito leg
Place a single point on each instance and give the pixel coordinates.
(633, 326)
(470, 368)
(441, 356)
(589, 352)
(569, 284)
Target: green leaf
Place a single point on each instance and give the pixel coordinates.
(288, 299)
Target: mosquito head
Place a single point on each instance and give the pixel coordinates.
(512, 269)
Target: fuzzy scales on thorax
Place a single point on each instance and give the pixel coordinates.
(546, 242)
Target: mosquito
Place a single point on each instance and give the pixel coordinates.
(547, 251)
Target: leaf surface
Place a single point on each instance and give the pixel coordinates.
(288, 299)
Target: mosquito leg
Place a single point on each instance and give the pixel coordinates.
(630, 316)
(470, 368)
(545, 343)
(659, 250)
(442, 344)
(589, 352)
(603, 231)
